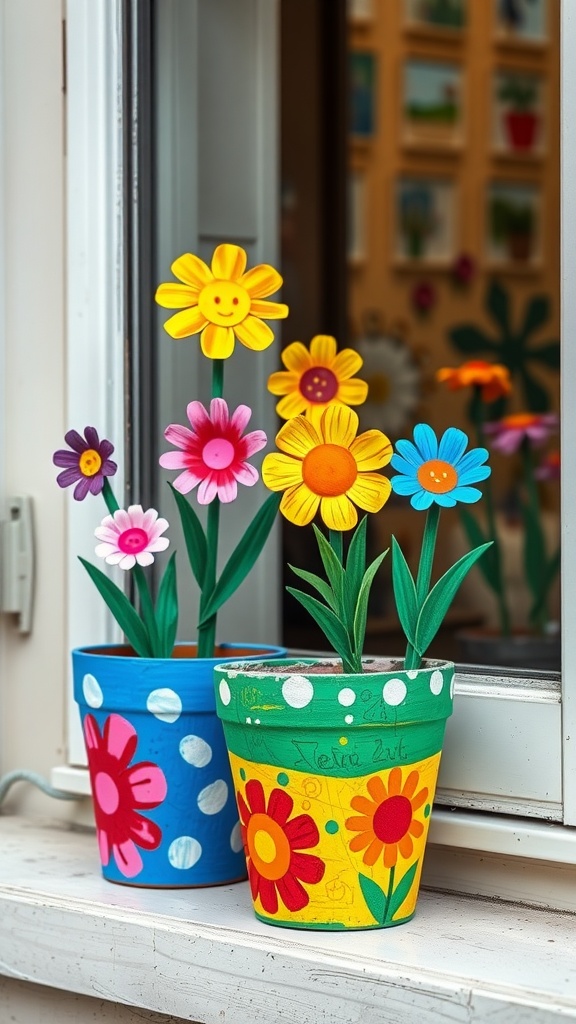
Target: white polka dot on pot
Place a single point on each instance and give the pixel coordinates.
(224, 691)
(394, 692)
(92, 691)
(412, 673)
(346, 697)
(236, 838)
(195, 751)
(184, 852)
(297, 691)
(213, 798)
(452, 685)
(348, 719)
(164, 704)
(436, 682)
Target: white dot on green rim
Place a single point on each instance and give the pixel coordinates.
(394, 692)
(436, 682)
(297, 691)
(224, 691)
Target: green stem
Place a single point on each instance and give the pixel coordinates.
(412, 658)
(207, 632)
(108, 495)
(389, 893)
(495, 552)
(534, 505)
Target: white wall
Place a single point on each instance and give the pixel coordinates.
(32, 668)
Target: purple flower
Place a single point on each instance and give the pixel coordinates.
(463, 269)
(509, 433)
(86, 464)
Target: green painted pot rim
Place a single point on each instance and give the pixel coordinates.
(287, 696)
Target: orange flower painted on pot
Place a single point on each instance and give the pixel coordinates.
(387, 823)
(272, 844)
(493, 378)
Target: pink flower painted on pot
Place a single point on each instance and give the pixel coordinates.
(214, 452)
(120, 791)
(86, 463)
(131, 536)
(509, 433)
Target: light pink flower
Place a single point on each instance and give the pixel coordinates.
(509, 433)
(121, 791)
(130, 536)
(214, 452)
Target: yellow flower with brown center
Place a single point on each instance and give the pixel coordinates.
(493, 378)
(327, 466)
(387, 819)
(223, 302)
(316, 378)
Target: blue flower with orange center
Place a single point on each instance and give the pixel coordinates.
(440, 472)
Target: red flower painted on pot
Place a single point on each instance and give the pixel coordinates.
(272, 844)
(388, 822)
(120, 790)
(463, 269)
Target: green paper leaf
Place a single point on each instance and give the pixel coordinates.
(401, 891)
(375, 897)
(470, 340)
(332, 566)
(127, 618)
(498, 305)
(355, 569)
(548, 354)
(361, 613)
(476, 537)
(319, 584)
(194, 536)
(243, 557)
(330, 624)
(404, 592)
(440, 598)
(537, 313)
(167, 608)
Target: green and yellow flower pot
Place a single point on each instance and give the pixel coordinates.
(335, 777)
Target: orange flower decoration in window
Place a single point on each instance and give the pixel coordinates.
(273, 843)
(387, 822)
(492, 378)
(317, 378)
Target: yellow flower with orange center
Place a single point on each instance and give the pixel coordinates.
(317, 378)
(387, 819)
(493, 378)
(223, 302)
(327, 466)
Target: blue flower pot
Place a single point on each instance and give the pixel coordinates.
(163, 796)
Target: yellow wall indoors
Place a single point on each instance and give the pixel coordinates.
(378, 280)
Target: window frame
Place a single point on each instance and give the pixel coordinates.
(96, 381)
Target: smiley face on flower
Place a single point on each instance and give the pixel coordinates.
(438, 472)
(222, 302)
(328, 467)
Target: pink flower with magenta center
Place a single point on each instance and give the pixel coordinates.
(214, 452)
(131, 536)
(509, 433)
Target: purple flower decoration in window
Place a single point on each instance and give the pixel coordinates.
(86, 463)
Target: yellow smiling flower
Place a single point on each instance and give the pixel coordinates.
(222, 302)
(316, 378)
(327, 466)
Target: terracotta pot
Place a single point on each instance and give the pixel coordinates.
(335, 777)
(520, 650)
(163, 799)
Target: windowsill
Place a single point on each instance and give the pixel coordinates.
(200, 954)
